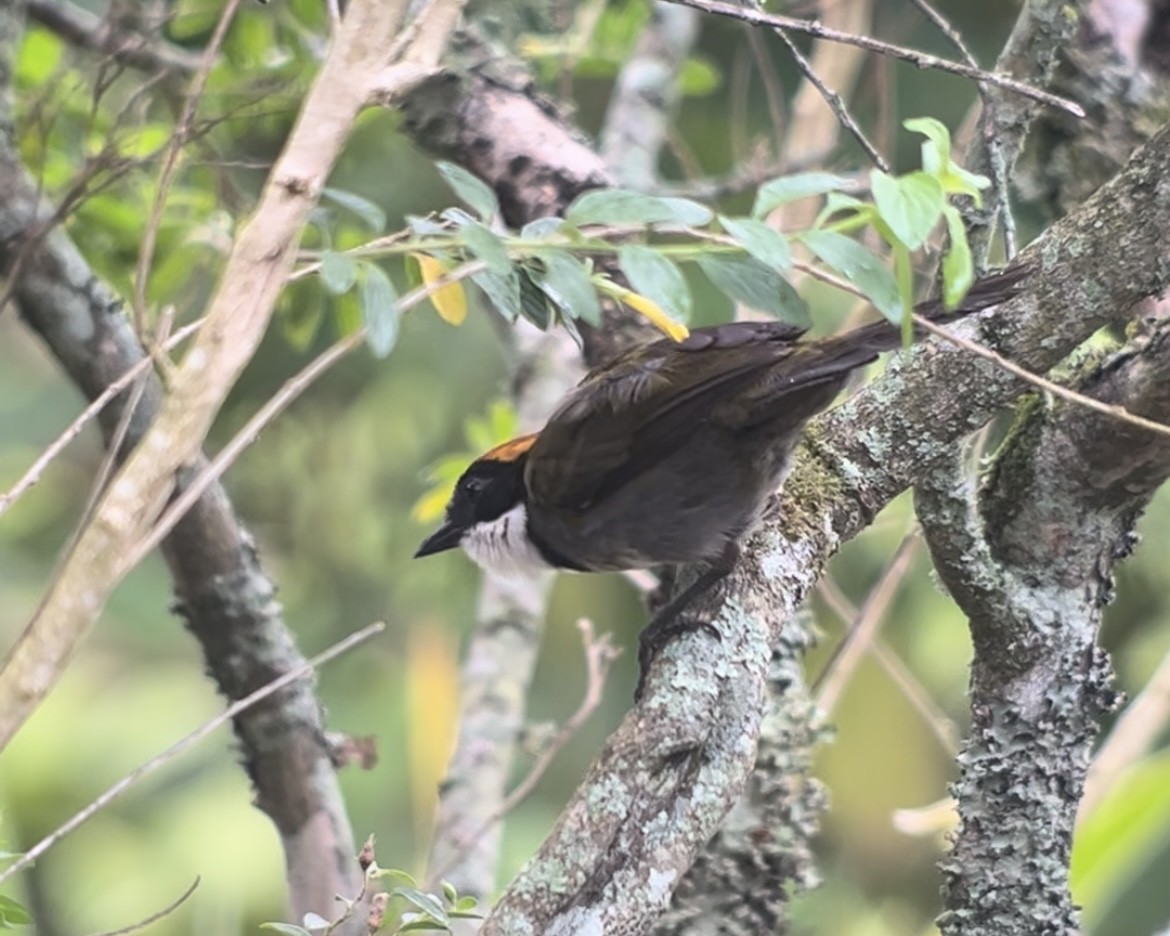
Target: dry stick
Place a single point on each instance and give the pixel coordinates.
(37, 468)
(916, 694)
(155, 917)
(292, 388)
(180, 747)
(919, 59)
(831, 681)
(171, 161)
(599, 654)
(836, 104)
(1117, 412)
(1133, 735)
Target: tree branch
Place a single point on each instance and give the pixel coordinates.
(86, 30)
(1055, 516)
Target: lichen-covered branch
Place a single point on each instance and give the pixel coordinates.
(1056, 514)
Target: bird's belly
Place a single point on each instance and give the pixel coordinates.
(655, 522)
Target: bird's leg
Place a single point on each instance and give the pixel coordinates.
(670, 622)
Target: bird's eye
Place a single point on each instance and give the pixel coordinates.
(473, 485)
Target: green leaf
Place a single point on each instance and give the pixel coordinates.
(426, 227)
(541, 228)
(936, 152)
(338, 272)
(698, 77)
(302, 309)
(287, 928)
(380, 310)
(471, 190)
(427, 903)
(780, 191)
(371, 215)
(503, 292)
(488, 247)
(858, 213)
(621, 206)
(13, 913)
(747, 280)
(762, 242)
(39, 56)
(565, 280)
(936, 160)
(910, 204)
(314, 921)
(860, 267)
(466, 904)
(534, 304)
(656, 278)
(450, 892)
(1120, 839)
(958, 269)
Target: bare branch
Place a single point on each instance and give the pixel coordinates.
(863, 632)
(101, 34)
(260, 260)
(155, 917)
(599, 654)
(180, 747)
(919, 59)
(73, 430)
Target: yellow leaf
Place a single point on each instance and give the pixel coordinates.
(450, 301)
(432, 687)
(656, 314)
(431, 505)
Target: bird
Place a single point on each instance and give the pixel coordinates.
(667, 455)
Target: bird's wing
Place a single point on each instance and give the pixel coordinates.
(645, 404)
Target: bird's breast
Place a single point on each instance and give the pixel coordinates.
(503, 547)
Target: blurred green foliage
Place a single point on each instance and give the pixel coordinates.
(329, 490)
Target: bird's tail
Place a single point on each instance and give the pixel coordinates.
(990, 290)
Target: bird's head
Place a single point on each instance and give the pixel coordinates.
(486, 515)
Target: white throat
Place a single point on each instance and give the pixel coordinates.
(502, 546)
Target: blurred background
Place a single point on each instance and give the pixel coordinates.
(328, 492)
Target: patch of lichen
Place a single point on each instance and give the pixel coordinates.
(811, 489)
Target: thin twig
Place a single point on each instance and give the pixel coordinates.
(830, 683)
(836, 104)
(1117, 412)
(599, 654)
(155, 917)
(952, 35)
(181, 746)
(940, 724)
(773, 87)
(171, 160)
(37, 468)
(919, 59)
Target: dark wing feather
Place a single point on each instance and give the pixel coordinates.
(627, 415)
(644, 405)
